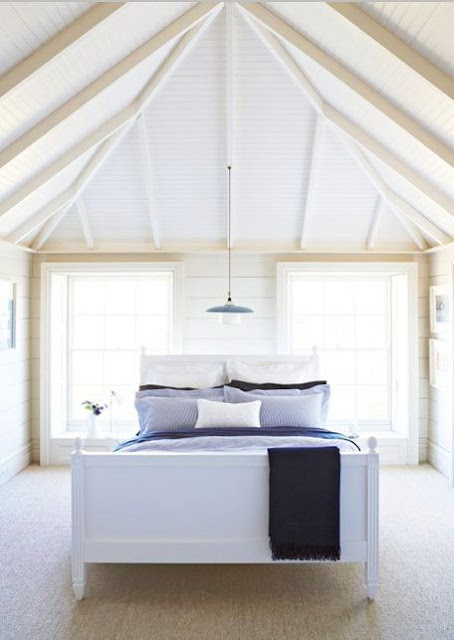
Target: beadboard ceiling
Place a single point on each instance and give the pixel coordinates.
(117, 122)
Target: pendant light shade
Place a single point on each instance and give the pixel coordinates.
(229, 313)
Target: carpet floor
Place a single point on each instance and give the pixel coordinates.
(164, 602)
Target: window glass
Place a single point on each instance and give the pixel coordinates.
(110, 319)
(347, 318)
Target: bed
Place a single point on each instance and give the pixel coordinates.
(200, 505)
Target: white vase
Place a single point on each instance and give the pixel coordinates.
(92, 423)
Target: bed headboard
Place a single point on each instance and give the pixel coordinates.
(309, 359)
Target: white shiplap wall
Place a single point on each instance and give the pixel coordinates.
(254, 284)
(440, 418)
(15, 414)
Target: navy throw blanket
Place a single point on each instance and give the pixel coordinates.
(304, 503)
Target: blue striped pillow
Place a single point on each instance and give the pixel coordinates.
(283, 411)
(168, 414)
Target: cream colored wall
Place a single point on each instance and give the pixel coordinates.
(254, 284)
(15, 372)
(440, 418)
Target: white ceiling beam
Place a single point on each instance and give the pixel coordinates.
(49, 227)
(57, 45)
(70, 195)
(169, 250)
(177, 28)
(308, 205)
(230, 113)
(129, 113)
(395, 202)
(288, 33)
(394, 45)
(344, 125)
(84, 223)
(149, 182)
(370, 242)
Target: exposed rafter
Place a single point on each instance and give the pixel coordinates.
(370, 243)
(411, 229)
(230, 113)
(70, 195)
(84, 223)
(49, 227)
(284, 30)
(350, 130)
(177, 28)
(394, 45)
(150, 182)
(128, 114)
(396, 203)
(54, 47)
(318, 130)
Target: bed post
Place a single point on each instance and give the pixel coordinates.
(372, 520)
(77, 520)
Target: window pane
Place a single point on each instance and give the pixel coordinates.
(111, 318)
(372, 367)
(373, 403)
(87, 367)
(371, 332)
(120, 297)
(347, 317)
(121, 368)
(89, 296)
(370, 297)
(153, 297)
(339, 297)
(120, 332)
(340, 367)
(342, 404)
(307, 297)
(153, 333)
(308, 332)
(339, 332)
(88, 332)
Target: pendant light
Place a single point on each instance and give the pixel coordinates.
(229, 313)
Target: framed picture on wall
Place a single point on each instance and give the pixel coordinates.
(7, 314)
(439, 309)
(439, 358)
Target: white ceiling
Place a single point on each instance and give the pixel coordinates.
(369, 181)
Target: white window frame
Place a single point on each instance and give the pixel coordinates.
(410, 269)
(48, 270)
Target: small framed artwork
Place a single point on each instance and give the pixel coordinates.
(7, 314)
(439, 309)
(439, 358)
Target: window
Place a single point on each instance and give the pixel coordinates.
(358, 319)
(100, 316)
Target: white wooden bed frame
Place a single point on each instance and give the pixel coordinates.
(203, 507)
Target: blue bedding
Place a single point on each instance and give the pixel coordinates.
(231, 438)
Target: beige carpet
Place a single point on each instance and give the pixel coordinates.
(123, 602)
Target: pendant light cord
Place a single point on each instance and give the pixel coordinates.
(229, 244)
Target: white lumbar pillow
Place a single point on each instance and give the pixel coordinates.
(225, 414)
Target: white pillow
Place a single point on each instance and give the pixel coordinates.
(186, 374)
(276, 372)
(217, 414)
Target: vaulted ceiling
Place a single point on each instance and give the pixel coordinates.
(117, 122)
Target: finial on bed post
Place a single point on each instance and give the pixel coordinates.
(372, 443)
(78, 446)
(142, 350)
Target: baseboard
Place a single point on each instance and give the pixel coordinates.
(423, 450)
(35, 450)
(439, 458)
(15, 462)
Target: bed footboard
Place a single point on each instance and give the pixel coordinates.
(150, 507)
